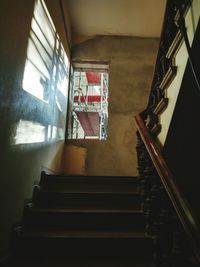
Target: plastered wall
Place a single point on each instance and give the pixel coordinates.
(131, 65)
(20, 164)
(73, 161)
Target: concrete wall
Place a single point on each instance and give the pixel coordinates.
(20, 164)
(130, 72)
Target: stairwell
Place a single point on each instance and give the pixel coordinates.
(78, 220)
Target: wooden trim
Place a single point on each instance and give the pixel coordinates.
(158, 53)
(175, 46)
(177, 16)
(161, 106)
(177, 198)
(168, 78)
(156, 129)
(98, 62)
(65, 24)
(88, 65)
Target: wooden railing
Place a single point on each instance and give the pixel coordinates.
(165, 68)
(157, 180)
(177, 198)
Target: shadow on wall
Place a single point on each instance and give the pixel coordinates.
(44, 84)
(33, 91)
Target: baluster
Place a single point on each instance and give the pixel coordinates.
(170, 246)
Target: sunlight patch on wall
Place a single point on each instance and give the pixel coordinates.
(46, 77)
(29, 132)
(47, 65)
(32, 81)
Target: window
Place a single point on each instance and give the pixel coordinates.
(89, 102)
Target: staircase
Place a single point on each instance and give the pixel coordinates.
(88, 218)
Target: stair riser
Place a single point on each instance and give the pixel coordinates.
(46, 199)
(112, 185)
(90, 179)
(133, 248)
(59, 186)
(84, 221)
(84, 217)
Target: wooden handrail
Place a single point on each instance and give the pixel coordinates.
(177, 198)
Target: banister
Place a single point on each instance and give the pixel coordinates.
(183, 31)
(171, 38)
(181, 206)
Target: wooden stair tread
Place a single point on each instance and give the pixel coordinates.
(68, 176)
(113, 193)
(101, 212)
(90, 191)
(87, 210)
(85, 234)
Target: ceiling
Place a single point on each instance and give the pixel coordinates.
(141, 18)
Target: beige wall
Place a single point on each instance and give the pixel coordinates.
(140, 18)
(20, 164)
(73, 161)
(130, 72)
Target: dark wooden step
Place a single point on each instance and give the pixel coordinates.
(88, 243)
(84, 220)
(95, 200)
(89, 183)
